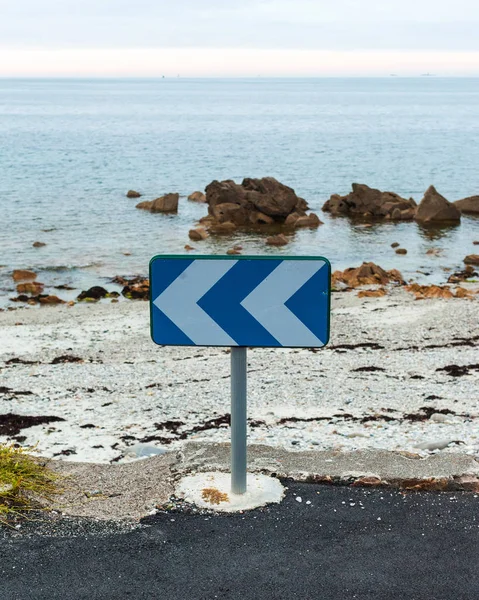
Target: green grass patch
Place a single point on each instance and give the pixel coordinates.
(25, 483)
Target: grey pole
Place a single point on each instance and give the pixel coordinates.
(238, 420)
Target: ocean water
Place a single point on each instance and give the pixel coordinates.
(70, 149)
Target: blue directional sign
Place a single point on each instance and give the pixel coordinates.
(255, 301)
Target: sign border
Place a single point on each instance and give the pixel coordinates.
(238, 257)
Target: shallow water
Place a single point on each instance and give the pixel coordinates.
(70, 149)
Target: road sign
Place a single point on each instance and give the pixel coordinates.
(254, 301)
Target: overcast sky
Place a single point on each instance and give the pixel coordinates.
(221, 37)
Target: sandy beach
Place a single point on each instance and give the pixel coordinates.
(389, 379)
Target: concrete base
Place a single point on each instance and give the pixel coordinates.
(213, 491)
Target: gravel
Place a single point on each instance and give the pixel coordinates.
(125, 393)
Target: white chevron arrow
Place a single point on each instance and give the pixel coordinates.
(288, 277)
(179, 302)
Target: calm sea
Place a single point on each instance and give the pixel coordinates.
(70, 149)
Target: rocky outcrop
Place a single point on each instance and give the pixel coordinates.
(367, 274)
(368, 202)
(468, 273)
(164, 204)
(434, 208)
(197, 197)
(135, 288)
(34, 288)
(133, 194)
(468, 206)
(423, 292)
(472, 259)
(254, 202)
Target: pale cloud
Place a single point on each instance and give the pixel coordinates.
(108, 36)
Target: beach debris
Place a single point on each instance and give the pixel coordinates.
(197, 197)
(367, 274)
(198, 234)
(401, 251)
(66, 358)
(96, 293)
(458, 370)
(188, 247)
(135, 288)
(372, 293)
(133, 194)
(368, 202)
(277, 240)
(50, 300)
(40, 299)
(233, 251)
(12, 424)
(434, 208)
(38, 244)
(214, 496)
(164, 204)
(23, 275)
(468, 206)
(472, 259)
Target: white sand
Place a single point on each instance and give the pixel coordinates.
(109, 390)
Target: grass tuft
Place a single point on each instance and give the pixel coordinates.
(24, 483)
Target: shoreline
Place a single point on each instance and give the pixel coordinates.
(376, 385)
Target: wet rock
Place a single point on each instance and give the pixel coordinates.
(394, 245)
(165, 204)
(367, 274)
(233, 251)
(219, 228)
(401, 251)
(472, 259)
(188, 247)
(277, 240)
(198, 234)
(33, 288)
(137, 288)
(253, 202)
(197, 197)
(23, 275)
(50, 300)
(468, 273)
(12, 424)
(468, 206)
(434, 208)
(133, 194)
(368, 202)
(38, 244)
(95, 293)
(312, 220)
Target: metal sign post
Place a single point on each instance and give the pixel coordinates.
(241, 302)
(238, 420)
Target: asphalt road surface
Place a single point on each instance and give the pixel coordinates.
(347, 543)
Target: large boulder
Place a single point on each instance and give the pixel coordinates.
(133, 194)
(434, 208)
(468, 206)
(166, 203)
(368, 202)
(367, 274)
(254, 201)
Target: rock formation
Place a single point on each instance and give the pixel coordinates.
(133, 194)
(434, 208)
(368, 202)
(164, 204)
(468, 206)
(367, 274)
(254, 202)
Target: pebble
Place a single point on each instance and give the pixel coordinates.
(299, 499)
